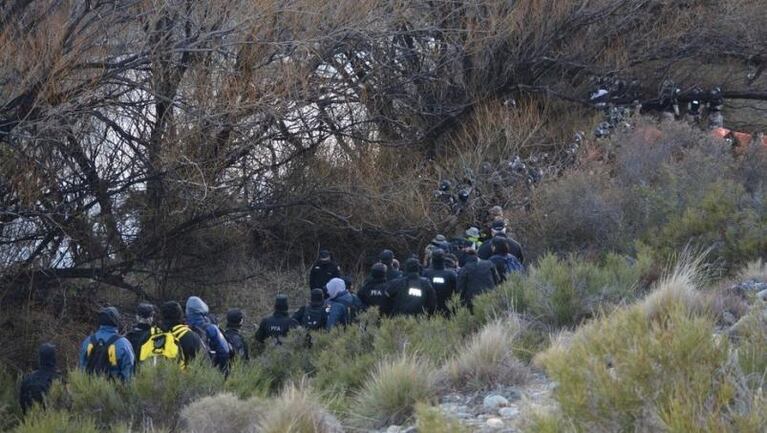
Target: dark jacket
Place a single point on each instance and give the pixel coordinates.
(312, 317)
(125, 358)
(36, 385)
(138, 335)
(190, 343)
(411, 295)
(239, 345)
(342, 309)
(445, 284)
(275, 326)
(500, 266)
(321, 273)
(486, 249)
(476, 278)
(373, 293)
(393, 274)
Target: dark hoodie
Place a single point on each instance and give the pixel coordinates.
(373, 291)
(443, 280)
(411, 295)
(36, 385)
(197, 318)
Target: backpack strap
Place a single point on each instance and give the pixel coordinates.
(112, 350)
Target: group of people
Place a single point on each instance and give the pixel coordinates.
(464, 267)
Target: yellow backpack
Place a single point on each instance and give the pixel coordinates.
(164, 344)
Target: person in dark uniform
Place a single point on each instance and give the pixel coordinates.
(313, 316)
(373, 292)
(278, 324)
(142, 329)
(412, 295)
(234, 320)
(324, 270)
(392, 271)
(36, 385)
(444, 281)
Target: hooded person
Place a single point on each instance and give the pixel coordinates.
(234, 320)
(387, 258)
(106, 352)
(197, 317)
(444, 281)
(498, 230)
(278, 324)
(373, 292)
(323, 270)
(412, 294)
(439, 241)
(142, 329)
(189, 342)
(35, 385)
(341, 305)
(313, 316)
(476, 277)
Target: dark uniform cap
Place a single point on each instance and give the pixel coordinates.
(281, 303)
(145, 310)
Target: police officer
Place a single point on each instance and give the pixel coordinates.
(498, 229)
(278, 324)
(313, 316)
(387, 258)
(444, 281)
(234, 320)
(412, 294)
(36, 385)
(324, 270)
(373, 292)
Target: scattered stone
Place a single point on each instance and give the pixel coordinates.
(493, 402)
(495, 423)
(762, 295)
(508, 412)
(728, 318)
(394, 429)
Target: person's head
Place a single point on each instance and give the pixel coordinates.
(145, 313)
(234, 318)
(498, 227)
(171, 312)
(412, 266)
(325, 256)
(438, 259)
(47, 357)
(439, 241)
(386, 257)
(335, 287)
(317, 298)
(378, 272)
(471, 256)
(500, 247)
(495, 212)
(109, 316)
(395, 264)
(349, 281)
(196, 306)
(281, 304)
(472, 234)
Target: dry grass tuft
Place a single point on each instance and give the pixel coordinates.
(678, 288)
(754, 271)
(222, 413)
(297, 410)
(488, 359)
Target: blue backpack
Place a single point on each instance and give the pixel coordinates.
(513, 264)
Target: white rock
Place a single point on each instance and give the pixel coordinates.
(394, 429)
(508, 412)
(762, 295)
(492, 402)
(495, 423)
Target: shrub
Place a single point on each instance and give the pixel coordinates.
(653, 366)
(283, 363)
(158, 393)
(390, 395)
(488, 359)
(343, 359)
(247, 380)
(432, 420)
(435, 338)
(297, 410)
(93, 396)
(222, 413)
(10, 411)
(679, 289)
(55, 421)
(754, 271)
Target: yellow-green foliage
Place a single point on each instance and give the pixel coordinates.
(430, 419)
(660, 372)
(562, 292)
(247, 380)
(390, 395)
(488, 359)
(283, 363)
(94, 396)
(54, 421)
(297, 410)
(158, 392)
(344, 358)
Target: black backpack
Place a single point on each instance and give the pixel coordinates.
(314, 318)
(97, 361)
(236, 343)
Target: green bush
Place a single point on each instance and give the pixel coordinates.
(343, 359)
(283, 363)
(248, 380)
(390, 395)
(94, 396)
(55, 421)
(10, 411)
(634, 371)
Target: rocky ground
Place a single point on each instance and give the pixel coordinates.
(497, 411)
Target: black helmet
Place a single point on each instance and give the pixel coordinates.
(234, 317)
(444, 186)
(463, 195)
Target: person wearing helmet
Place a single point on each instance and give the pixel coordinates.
(387, 258)
(412, 295)
(234, 321)
(444, 281)
(278, 325)
(373, 291)
(323, 270)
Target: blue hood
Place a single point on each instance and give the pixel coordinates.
(197, 311)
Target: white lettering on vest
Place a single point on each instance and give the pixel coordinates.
(414, 292)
